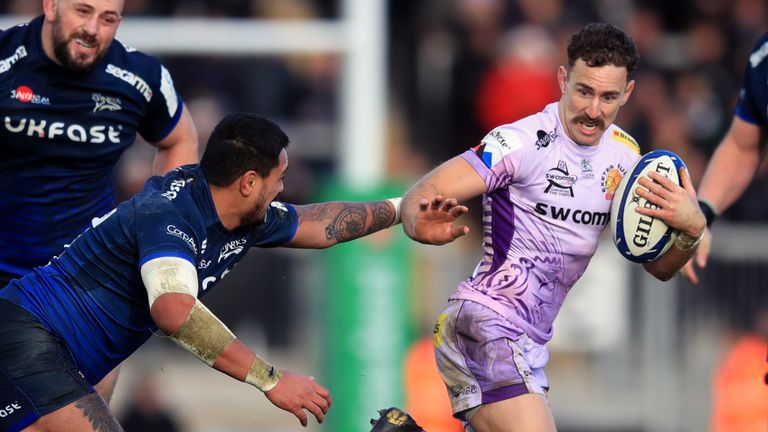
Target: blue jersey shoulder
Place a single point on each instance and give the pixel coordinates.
(753, 97)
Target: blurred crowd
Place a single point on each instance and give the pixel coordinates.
(459, 68)
(480, 63)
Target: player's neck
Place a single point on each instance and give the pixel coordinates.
(226, 205)
(46, 37)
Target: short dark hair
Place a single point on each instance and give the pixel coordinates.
(242, 142)
(599, 44)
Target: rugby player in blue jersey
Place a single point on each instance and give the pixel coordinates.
(142, 267)
(737, 157)
(73, 101)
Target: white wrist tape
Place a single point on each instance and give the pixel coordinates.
(168, 275)
(262, 375)
(396, 202)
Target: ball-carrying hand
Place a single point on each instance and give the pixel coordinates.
(296, 393)
(676, 206)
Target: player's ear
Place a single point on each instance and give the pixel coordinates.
(628, 91)
(562, 78)
(249, 182)
(49, 8)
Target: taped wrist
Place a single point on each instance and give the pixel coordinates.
(262, 375)
(203, 334)
(685, 242)
(396, 202)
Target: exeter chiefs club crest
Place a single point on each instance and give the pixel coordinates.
(560, 180)
(610, 180)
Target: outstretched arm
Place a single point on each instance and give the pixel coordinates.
(728, 174)
(425, 201)
(171, 284)
(323, 225)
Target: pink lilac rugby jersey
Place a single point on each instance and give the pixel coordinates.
(548, 202)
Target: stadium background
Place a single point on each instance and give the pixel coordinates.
(629, 354)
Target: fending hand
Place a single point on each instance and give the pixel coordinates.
(436, 221)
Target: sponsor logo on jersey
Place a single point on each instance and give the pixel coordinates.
(610, 180)
(626, 140)
(175, 188)
(172, 230)
(759, 55)
(168, 91)
(490, 151)
(74, 132)
(8, 62)
(577, 216)
(131, 78)
(560, 180)
(204, 264)
(586, 169)
(25, 94)
(545, 138)
(9, 409)
(232, 248)
(106, 103)
(282, 209)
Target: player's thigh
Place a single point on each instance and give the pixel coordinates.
(89, 413)
(525, 413)
(106, 387)
(38, 375)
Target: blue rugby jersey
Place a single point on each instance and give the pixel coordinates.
(61, 134)
(92, 295)
(753, 98)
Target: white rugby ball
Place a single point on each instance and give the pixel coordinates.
(641, 238)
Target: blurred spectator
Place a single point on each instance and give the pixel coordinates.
(521, 80)
(740, 387)
(147, 411)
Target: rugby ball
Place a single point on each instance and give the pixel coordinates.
(641, 238)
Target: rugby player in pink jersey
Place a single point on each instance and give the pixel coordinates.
(547, 183)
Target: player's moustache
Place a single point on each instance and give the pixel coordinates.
(585, 119)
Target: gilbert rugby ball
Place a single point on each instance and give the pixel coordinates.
(641, 238)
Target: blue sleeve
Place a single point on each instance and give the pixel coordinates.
(753, 94)
(165, 107)
(161, 230)
(279, 226)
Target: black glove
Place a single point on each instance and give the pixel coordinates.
(395, 420)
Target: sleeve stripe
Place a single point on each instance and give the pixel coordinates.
(166, 254)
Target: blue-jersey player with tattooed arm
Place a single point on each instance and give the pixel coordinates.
(72, 100)
(142, 267)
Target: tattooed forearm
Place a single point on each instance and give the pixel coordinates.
(347, 225)
(383, 216)
(345, 221)
(337, 221)
(98, 414)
